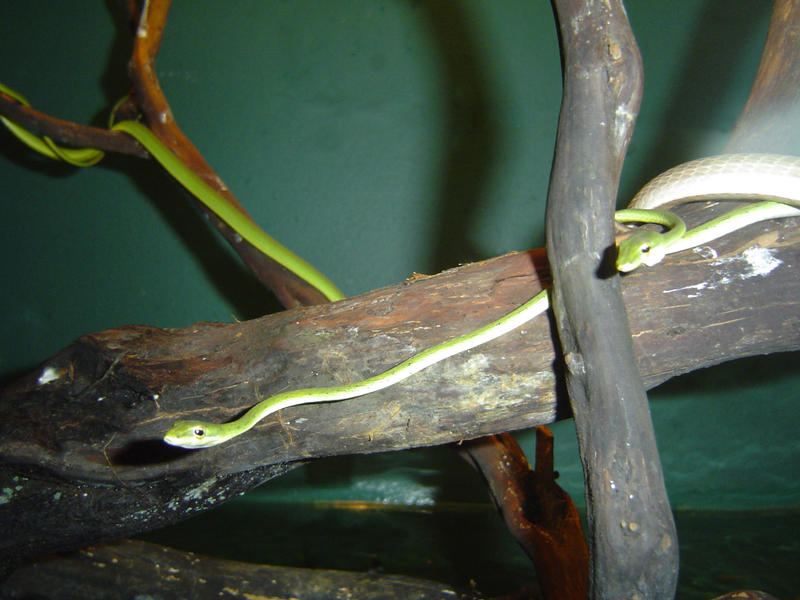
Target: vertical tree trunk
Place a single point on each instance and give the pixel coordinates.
(632, 539)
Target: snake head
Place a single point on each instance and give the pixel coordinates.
(643, 247)
(192, 434)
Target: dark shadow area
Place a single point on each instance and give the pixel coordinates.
(114, 81)
(563, 405)
(146, 453)
(469, 133)
(608, 264)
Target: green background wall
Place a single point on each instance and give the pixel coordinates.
(376, 138)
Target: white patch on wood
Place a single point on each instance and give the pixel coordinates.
(49, 374)
(759, 262)
(697, 287)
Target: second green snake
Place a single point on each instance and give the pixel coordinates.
(214, 201)
(226, 211)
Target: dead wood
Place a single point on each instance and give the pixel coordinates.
(631, 532)
(145, 570)
(80, 447)
(537, 511)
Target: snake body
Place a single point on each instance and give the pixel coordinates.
(773, 179)
(79, 157)
(640, 248)
(237, 220)
(726, 176)
(197, 434)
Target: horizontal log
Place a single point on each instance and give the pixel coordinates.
(81, 456)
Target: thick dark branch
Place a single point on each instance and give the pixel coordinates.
(86, 425)
(632, 538)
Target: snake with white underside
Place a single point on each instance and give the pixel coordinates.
(773, 180)
(692, 180)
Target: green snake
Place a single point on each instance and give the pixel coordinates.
(642, 247)
(226, 211)
(771, 178)
(213, 200)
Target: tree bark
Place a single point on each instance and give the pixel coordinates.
(145, 570)
(632, 537)
(537, 511)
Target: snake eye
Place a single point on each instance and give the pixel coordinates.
(198, 432)
(645, 249)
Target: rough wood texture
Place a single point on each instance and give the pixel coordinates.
(131, 569)
(631, 532)
(81, 458)
(537, 511)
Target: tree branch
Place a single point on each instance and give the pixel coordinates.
(290, 289)
(537, 511)
(632, 537)
(110, 396)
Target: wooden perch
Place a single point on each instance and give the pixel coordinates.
(80, 447)
(631, 531)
